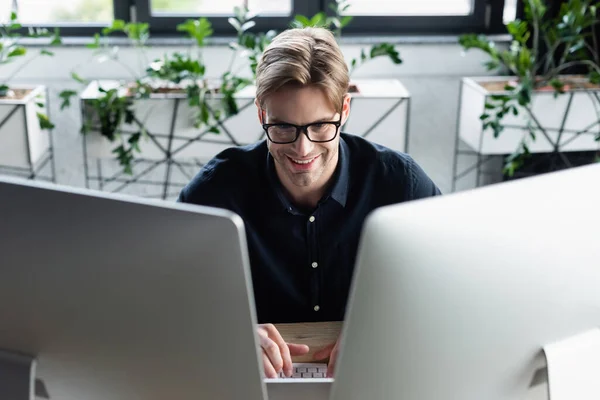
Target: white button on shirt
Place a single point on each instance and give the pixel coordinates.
(315, 265)
(312, 218)
(317, 308)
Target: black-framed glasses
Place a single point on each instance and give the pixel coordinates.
(318, 132)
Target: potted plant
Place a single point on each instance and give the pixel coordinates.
(549, 103)
(192, 118)
(169, 113)
(25, 129)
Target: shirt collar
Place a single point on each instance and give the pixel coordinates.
(338, 191)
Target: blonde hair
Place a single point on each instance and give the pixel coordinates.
(303, 56)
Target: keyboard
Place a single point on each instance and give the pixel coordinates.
(307, 370)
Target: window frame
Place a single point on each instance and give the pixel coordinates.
(487, 18)
(166, 25)
(121, 10)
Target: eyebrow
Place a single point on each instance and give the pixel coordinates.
(276, 120)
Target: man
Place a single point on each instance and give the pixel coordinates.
(305, 191)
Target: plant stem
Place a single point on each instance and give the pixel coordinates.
(26, 63)
(574, 64)
(536, 36)
(132, 72)
(595, 44)
(232, 61)
(532, 116)
(550, 55)
(594, 53)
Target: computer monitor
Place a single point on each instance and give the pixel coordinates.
(454, 297)
(123, 299)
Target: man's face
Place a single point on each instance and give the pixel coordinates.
(303, 165)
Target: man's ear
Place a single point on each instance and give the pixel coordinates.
(260, 111)
(346, 108)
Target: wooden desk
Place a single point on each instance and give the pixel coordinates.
(315, 335)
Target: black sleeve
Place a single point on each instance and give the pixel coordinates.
(421, 185)
(207, 188)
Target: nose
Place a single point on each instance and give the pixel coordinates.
(303, 146)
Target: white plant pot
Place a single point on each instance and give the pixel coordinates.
(573, 111)
(380, 113)
(23, 144)
(380, 110)
(163, 112)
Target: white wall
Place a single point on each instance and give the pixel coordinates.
(431, 71)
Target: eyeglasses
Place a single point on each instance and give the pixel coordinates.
(318, 132)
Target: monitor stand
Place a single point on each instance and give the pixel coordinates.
(574, 367)
(18, 376)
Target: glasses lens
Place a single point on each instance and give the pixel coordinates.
(322, 132)
(282, 133)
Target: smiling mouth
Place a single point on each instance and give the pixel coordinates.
(302, 163)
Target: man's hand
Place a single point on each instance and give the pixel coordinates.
(276, 353)
(331, 352)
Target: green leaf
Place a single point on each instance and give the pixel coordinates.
(519, 31)
(66, 95)
(489, 106)
(248, 25)
(594, 77)
(86, 128)
(532, 134)
(483, 117)
(45, 52)
(204, 114)
(137, 32)
(56, 39)
(78, 78)
(302, 21)
(318, 20)
(386, 49)
(198, 29)
(13, 16)
(472, 41)
(558, 86)
(95, 44)
(118, 25)
(17, 51)
(214, 129)
(491, 65)
(44, 121)
(235, 23)
(345, 20)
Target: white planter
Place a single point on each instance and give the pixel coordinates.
(379, 112)
(165, 113)
(23, 144)
(571, 113)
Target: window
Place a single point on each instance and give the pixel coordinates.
(164, 15)
(510, 11)
(424, 16)
(40, 12)
(370, 17)
(410, 7)
(221, 7)
(74, 17)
